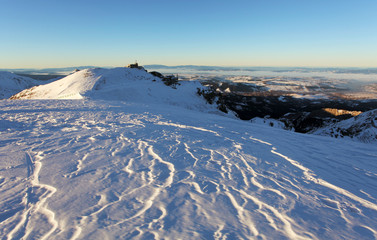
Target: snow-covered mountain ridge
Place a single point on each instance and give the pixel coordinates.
(362, 127)
(11, 84)
(124, 84)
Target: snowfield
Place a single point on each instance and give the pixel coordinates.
(113, 165)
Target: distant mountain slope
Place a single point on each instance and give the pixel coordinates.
(362, 127)
(11, 84)
(45, 70)
(125, 84)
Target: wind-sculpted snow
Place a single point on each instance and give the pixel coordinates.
(113, 170)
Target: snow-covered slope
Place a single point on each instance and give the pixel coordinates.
(85, 169)
(126, 84)
(268, 122)
(362, 127)
(11, 84)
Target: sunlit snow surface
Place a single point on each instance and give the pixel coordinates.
(85, 169)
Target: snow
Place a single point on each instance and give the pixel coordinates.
(11, 84)
(119, 84)
(362, 127)
(268, 122)
(309, 96)
(131, 163)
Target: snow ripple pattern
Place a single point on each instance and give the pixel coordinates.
(36, 221)
(130, 173)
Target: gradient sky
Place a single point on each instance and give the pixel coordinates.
(61, 33)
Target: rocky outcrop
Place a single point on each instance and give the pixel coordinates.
(362, 127)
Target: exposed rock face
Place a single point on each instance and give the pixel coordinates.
(169, 80)
(305, 122)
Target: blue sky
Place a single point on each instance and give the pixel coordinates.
(57, 33)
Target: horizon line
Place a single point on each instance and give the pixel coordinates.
(187, 65)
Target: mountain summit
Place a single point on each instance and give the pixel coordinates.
(125, 84)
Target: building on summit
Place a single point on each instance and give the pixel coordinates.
(135, 65)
